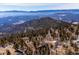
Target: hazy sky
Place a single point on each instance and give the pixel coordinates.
(38, 6)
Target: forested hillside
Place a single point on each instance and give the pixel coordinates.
(44, 36)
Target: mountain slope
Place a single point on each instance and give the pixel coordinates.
(44, 22)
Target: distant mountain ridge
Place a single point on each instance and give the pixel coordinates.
(13, 16)
(65, 10)
(77, 10)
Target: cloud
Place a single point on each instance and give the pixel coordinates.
(67, 6)
(19, 22)
(25, 4)
(37, 6)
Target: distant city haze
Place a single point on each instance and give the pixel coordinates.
(37, 6)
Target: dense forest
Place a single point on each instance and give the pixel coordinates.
(53, 38)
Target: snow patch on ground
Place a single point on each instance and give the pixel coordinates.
(75, 23)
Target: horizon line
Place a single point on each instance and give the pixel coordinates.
(39, 10)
